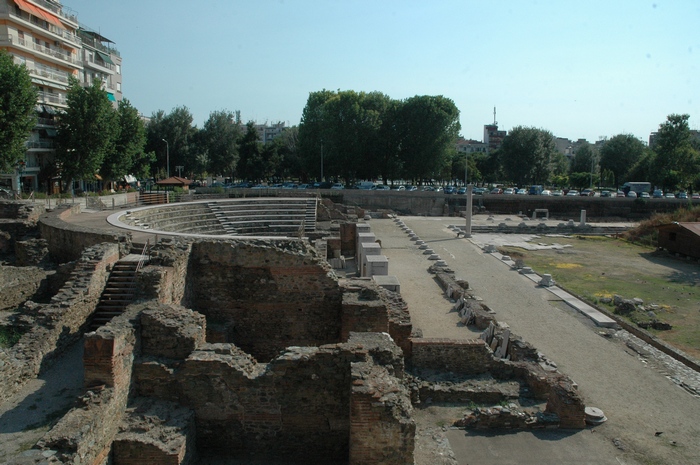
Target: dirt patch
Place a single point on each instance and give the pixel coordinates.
(597, 268)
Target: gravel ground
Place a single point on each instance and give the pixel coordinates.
(640, 399)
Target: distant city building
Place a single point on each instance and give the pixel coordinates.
(471, 146)
(46, 37)
(493, 138)
(267, 132)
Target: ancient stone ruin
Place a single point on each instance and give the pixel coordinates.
(256, 349)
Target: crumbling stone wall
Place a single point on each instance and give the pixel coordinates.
(165, 277)
(67, 241)
(304, 405)
(85, 434)
(473, 357)
(275, 293)
(58, 324)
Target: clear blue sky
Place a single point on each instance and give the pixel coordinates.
(580, 69)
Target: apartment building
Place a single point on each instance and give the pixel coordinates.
(267, 132)
(46, 37)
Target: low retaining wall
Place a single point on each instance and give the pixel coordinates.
(67, 241)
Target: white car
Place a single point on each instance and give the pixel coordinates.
(337, 186)
(546, 192)
(508, 191)
(632, 194)
(572, 193)
(521, 192)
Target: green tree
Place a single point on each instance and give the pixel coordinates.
(312, 131)
(219, 141)
(585, 160)
(526, 155)
(17, 117)
(428, 129)
(176, 128)
(250, 163)
(677, 161)
(619, 154)
(128, 146)
(86, 133)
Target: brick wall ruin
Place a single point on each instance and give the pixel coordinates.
(272, 293)
(55, 326)
(309, 404)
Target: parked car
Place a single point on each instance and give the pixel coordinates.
(437, 189)
(669, 195)
(480, 191)
(695, 196)
(557, 193)
(588, 193)
(509, 191)
(620, 194)
(521, 192)
(411, 188)
(683, 195)
(462, 191)
(496, 190)
(632, 194)
(645, 195)
(381, 187)
(337, 186)
(572, 193)
(606, 194)
(658, 194)
(546, 192)
(450, 190)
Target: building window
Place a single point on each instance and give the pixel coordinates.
(119, 86)
(119, 69)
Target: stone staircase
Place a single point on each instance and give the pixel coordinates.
(119, 291)
(310, 216)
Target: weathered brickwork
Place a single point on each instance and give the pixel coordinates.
(276, 293)
(475, 357)
(58, 324)
(155, 432)
(85, 434)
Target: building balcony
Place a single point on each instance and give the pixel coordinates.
(63, 12)
(47, 73)
(41, 144)
(46, 122)
(52, 98)
(42, 27)
(59, 54)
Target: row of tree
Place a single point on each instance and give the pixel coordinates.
(343, 135)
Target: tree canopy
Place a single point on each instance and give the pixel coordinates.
(87, 131)
(365, 135)
(619, 154)
(526, 155)
(17, 116)
(677, 162)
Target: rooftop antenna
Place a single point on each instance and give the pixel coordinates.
(495, 123)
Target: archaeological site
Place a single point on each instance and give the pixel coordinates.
(254, 331)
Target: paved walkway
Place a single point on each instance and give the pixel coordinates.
(638, 400)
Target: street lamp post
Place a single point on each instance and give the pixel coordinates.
(468, 213)
(179, 169)
(321, 180)
(167, 155)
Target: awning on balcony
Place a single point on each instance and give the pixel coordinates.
(38, 12)
(51, 132)
(104, 57)
(49, 109)
(95, 35)
(110, 96)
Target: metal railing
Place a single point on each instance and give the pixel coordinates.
(50, 97)
(145, 255)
